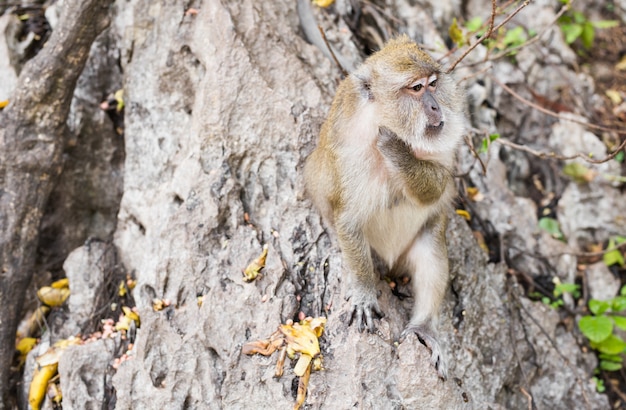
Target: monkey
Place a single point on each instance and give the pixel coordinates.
(382, 176)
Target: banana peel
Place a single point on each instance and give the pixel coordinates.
(47, 366)
(293, 339)
(52, 296)
(39, 384)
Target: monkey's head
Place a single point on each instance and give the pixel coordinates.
(413, 97)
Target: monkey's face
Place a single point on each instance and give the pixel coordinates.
(412, 97)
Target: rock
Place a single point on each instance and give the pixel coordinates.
(222, 108)
(88, 268)
(603, 285)
(85, 372)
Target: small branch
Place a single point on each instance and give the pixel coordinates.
(486, 35)
(541, 154)
(552, 113)
(332, 53)
(528, 396)
(469, 143)
(593, 254)
(533, 40)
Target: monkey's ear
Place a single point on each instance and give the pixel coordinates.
(363, 80)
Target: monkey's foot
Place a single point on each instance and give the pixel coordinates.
(364, 309)
(436, 357)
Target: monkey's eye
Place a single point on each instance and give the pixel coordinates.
(433, 83)
(417, 87)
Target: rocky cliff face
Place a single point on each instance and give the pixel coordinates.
(222, 106)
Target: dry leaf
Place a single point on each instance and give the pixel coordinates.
(254, 268)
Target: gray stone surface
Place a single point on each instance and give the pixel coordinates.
(222, 108)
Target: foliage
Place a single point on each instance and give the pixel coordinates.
(501, 40)
(484, 146)
(575, 26)
(599, 328)
(551, 226)
(560, 289)
(613, 256)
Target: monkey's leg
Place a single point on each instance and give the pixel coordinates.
(357, 255)
(425, 180)
(428, 259)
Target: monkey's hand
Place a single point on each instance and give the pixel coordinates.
(424, 180)
(364, 309)
(436, 357)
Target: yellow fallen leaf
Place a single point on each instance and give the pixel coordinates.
(614, 96)
(121, 289)
(53, 297)
(119, 98)
(462, 212)
(254, 268)
(474, 194)
(622, 64)
(131, 315)
(323, 3)
(456, 34)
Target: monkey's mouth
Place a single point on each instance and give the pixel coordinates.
(434, 129)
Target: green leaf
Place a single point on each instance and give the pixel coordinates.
(578, 172)
(474, 24)
(619, 321)
(620, 239)
(614, 256)
(596, 328)
(610, 366)
(514, 37)
(611, 345)
(551, 226)
(599, 384)
(570, 288)
(605, 24)
(571, 32)
(579, 17)
(598, 307)
(619, 303)
(622, 291)
(588, 34)
(611, 357)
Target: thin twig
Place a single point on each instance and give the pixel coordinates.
(332, 53)
(552, 113)
(593, 254)
(476, 73)
(484, 36)
(469, 143)
(541, 154)
(533, 40)
(528, 396)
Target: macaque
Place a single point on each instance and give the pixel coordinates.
(382, 176)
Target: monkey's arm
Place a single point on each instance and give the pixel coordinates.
(425, 180)
(356, 253)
